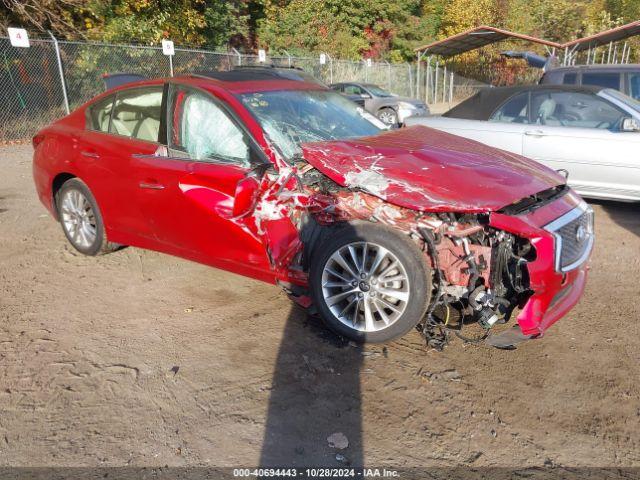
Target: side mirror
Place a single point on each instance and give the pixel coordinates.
(247, 189)
(630, 124)
(365, 95)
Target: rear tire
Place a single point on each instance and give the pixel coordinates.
(370, 283)
(81, 219)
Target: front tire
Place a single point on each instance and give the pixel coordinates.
(388, 116)
(370, 283)
(81, 219)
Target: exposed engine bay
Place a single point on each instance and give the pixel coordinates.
(479, 273)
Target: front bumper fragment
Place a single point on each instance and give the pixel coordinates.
(556, 290)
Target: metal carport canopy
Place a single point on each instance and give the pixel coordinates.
(604, 38)
(476, 38)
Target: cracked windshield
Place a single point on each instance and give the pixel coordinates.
(291, 118)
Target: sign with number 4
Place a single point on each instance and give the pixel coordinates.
(18, 37)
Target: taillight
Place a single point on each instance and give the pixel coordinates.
(37, 140)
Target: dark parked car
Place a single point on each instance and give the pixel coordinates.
(389, 108)
(622, 77)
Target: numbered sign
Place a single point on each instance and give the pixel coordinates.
(167, 47)
(18, 37)
(262, 56)
(323, 58)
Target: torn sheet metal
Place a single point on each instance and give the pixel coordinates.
(428, 170)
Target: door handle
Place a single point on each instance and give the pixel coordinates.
(86, 153)
(151, 186)
(535, 133)
(162, 151)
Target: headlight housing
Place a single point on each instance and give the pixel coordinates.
(407, 106)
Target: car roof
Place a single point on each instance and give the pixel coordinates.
(237, 81)
(601, 66)
(255, 73)
(486, 101)
(362, 84)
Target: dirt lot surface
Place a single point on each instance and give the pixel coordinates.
(138, 358)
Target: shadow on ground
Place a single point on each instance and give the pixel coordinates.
(315, 395)
(627, 215)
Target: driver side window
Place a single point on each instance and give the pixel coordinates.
(574, 109)
(353, 90)
(203, 130)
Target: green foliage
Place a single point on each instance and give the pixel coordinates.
(379, 29)
(347, 29)
(211, 23)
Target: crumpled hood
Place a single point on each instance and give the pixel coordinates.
(428, 170)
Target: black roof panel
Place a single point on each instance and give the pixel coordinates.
(247, 74)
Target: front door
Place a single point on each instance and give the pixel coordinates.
(188, 197)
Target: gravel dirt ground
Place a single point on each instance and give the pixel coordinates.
(141, 359)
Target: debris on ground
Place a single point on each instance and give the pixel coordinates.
(338, 440)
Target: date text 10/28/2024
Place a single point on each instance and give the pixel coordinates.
(315, 472)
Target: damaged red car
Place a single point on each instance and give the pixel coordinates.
(268, 174)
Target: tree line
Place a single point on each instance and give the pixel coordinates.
(350, 29)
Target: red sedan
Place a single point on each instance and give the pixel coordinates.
(265, 173)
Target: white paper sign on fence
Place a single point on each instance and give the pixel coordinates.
(369, 62)
(323, 58)
(167, 47)
(18, 37)
(262, 56)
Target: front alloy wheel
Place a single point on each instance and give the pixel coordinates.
(365, 286)
(388, 116)
(369, 283)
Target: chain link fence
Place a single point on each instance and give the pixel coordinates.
(31, 82)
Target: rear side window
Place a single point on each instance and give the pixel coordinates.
(137, 113)
(513, 111)
(607, 80)
(570, 78)
(100, 114)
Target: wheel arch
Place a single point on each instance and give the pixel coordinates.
(391, 106)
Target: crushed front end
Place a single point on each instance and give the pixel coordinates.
(492, 254)
(560, 230)
(529, 257)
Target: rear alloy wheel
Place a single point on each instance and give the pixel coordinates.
(370, 283)
(388, 116)
(81, 219)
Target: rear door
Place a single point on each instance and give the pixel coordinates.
(121, 126)
(580, 132)
(188, 196)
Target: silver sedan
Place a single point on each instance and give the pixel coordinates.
(591, 133)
